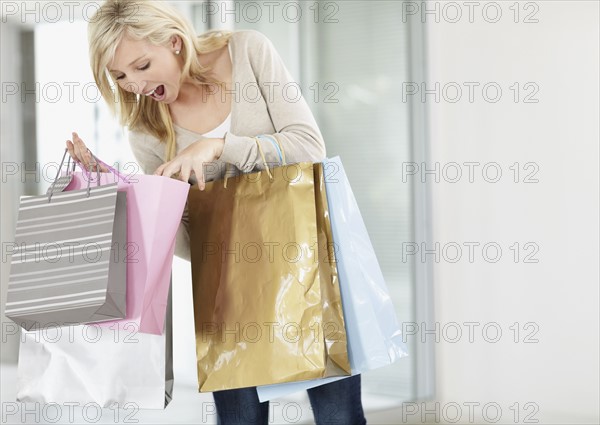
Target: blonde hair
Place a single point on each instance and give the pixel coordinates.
(156, 22)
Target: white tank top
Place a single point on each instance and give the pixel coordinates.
(220, 130)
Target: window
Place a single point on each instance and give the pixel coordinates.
(351, 59)
(69, 101)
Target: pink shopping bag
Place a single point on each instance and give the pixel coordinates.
(155, 205)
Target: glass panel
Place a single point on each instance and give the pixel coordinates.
(350, 59)
(70, 101)
(364, 59)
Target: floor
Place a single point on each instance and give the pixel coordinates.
(187, 407)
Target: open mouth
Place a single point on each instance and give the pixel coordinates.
(158, 93)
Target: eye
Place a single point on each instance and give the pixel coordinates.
(142, 68)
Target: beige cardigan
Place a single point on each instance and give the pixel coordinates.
(265, 102)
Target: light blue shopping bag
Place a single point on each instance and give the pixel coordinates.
(373, 332)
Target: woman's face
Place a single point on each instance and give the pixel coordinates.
(146, 69)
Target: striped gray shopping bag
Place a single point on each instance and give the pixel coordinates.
(68, 260)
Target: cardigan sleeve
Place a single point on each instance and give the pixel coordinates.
(142, 148)
(296, 128)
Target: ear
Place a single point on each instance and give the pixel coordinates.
(176, 42)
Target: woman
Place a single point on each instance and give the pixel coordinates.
(193, 105)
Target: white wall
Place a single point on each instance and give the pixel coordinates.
(559, 213)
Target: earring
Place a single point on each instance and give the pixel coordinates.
(177, 52)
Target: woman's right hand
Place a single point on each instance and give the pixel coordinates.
(81, 153)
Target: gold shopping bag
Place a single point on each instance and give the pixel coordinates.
(267, 305)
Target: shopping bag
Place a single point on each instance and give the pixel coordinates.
(258, 287)
(334, 331)
(64, 268)
(155, 206)
(95, 364)
(374, 334)
(114, 361)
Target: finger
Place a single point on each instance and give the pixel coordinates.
(186, 170)
(171, 169)
(81, 149)
(72, 152)
(89, 160)
(159, 170)
(94, 164)
(79, 146)
(200, 177)
(77, 140)
(71, 149)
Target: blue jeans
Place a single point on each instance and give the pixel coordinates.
(338, 402)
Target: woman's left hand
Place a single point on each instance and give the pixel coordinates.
(191, 159)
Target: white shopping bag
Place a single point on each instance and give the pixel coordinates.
(97, 364)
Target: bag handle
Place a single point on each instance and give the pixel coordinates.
(51, 189)
(98, 161)
(264, 163)
(111, 169)
(277, 145)
(88, 175)
(257, 140)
